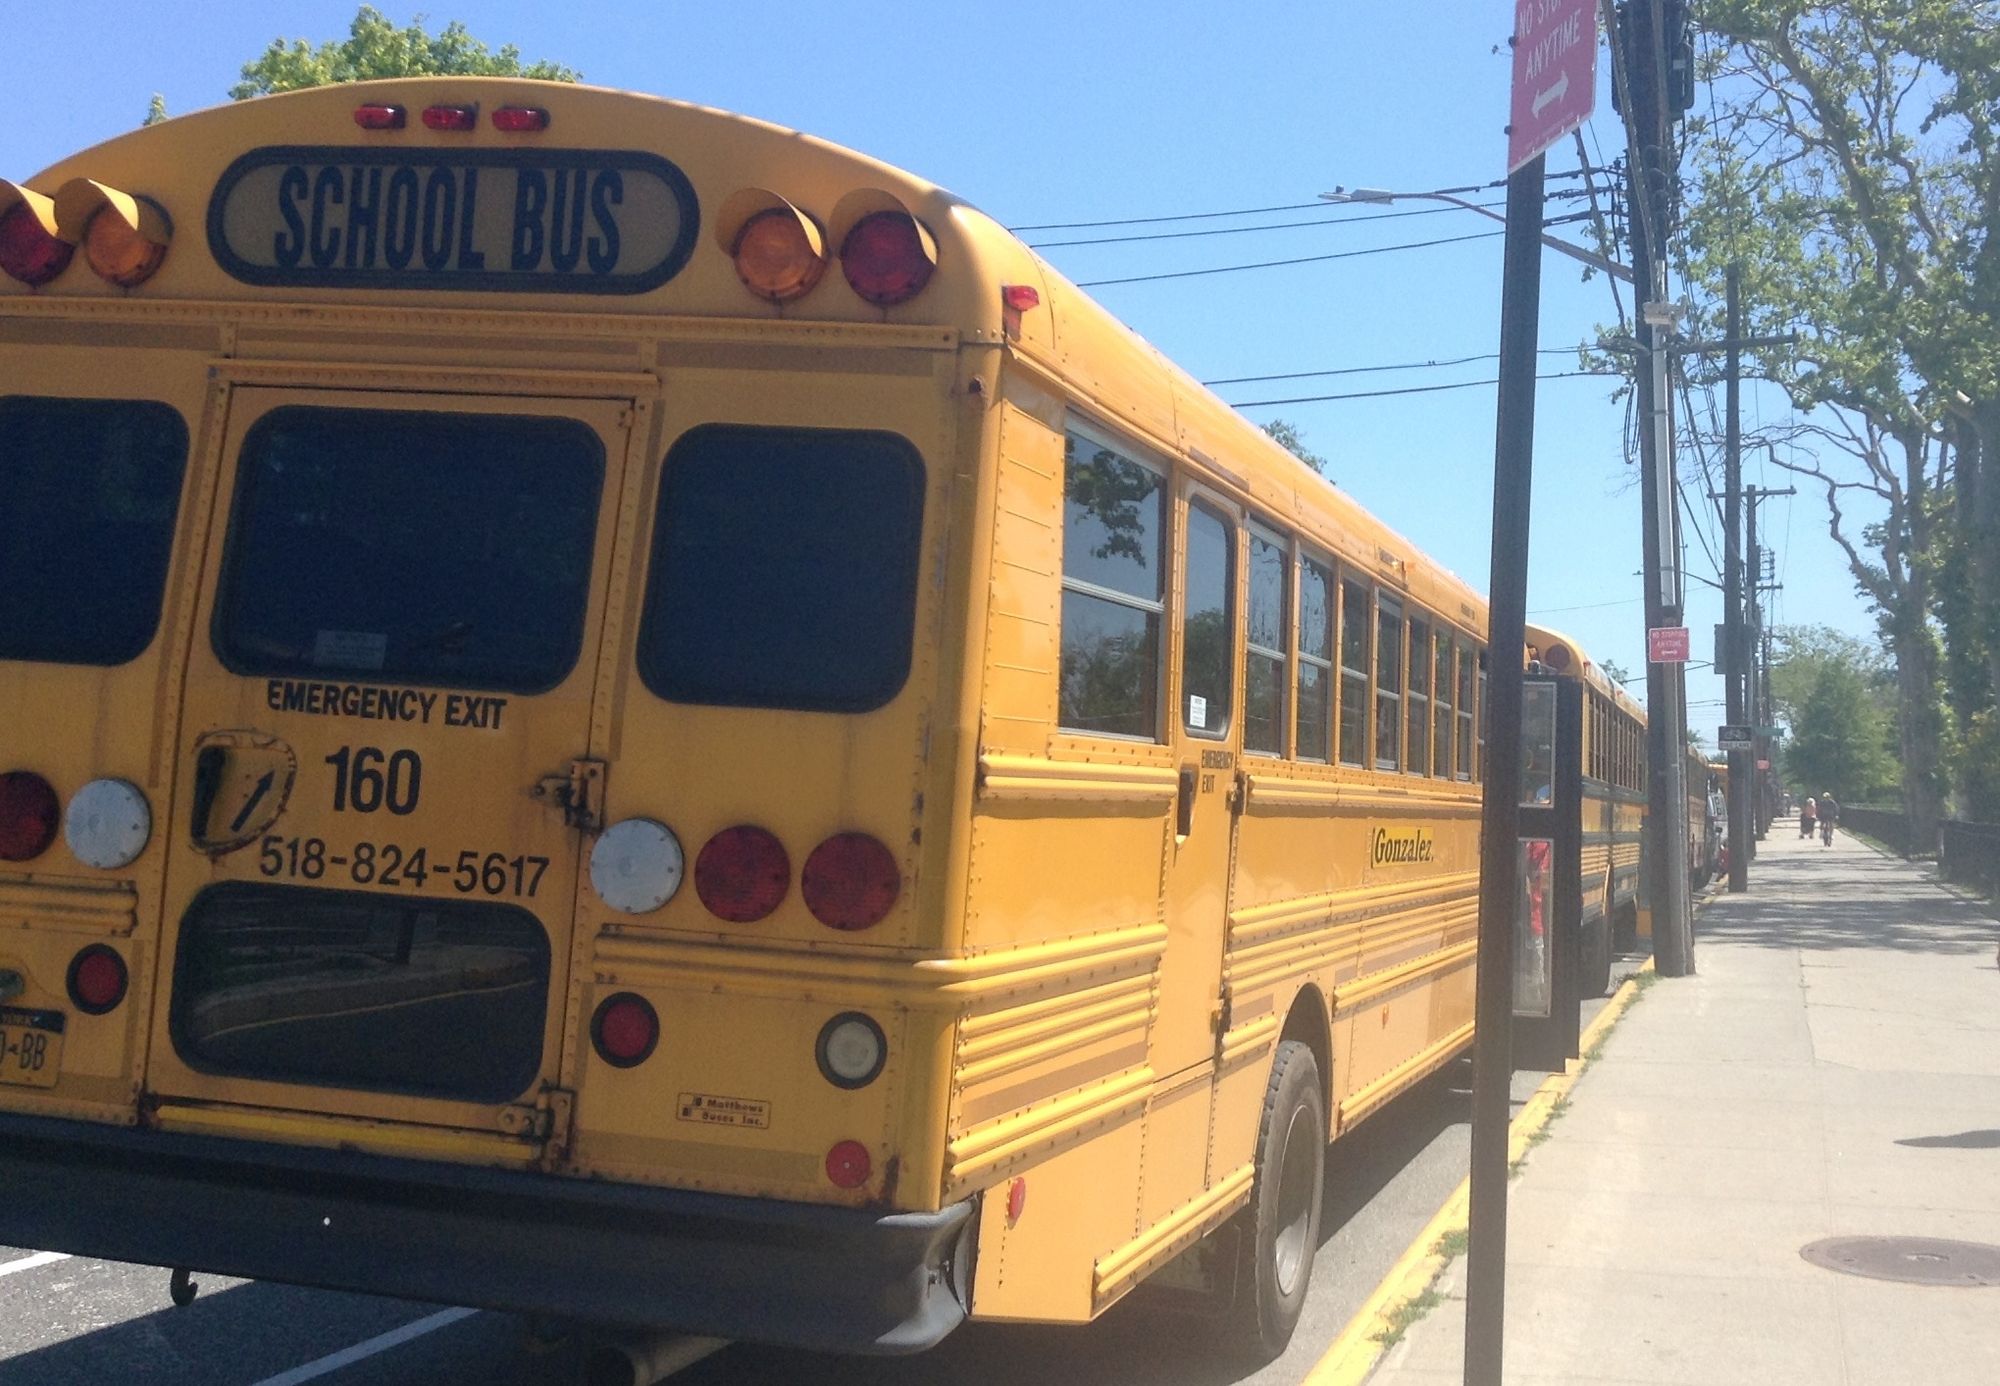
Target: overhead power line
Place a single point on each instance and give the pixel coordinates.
(1299, 260)
(1409, 389)
(1371, 370)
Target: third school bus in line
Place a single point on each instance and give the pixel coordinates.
(612, 711)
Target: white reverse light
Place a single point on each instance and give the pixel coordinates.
(636, 865)
(851, 1050)
(107, 824)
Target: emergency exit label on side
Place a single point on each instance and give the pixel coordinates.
(709, 1109)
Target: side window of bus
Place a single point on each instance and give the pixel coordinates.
(1315, 660)
(1479, 724)
(1356, 617)
(86, 525)
(1114, 591)
(470, 571)
(1420, 698)
(1442, 732)
(784, 569)
(1465, 672)
(1265, 680)
(1388, 685)
(1208, 626)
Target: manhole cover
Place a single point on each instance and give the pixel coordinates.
(1913, 1260)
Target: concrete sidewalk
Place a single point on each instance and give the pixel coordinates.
(1833, 1069)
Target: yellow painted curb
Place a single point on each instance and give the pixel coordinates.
(1359, 1347)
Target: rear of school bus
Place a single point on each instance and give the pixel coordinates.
(485, 744)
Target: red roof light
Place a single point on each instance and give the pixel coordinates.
(27, 251)
(380, 116)
(520, 120)
(888, 258)
(451, 117)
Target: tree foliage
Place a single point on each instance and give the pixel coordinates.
(1850, 165)
(1837, 696)
(1287, 436)
(374, 47)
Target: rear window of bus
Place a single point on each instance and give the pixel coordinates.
(89, 490)
(411, 547)
(784, 570)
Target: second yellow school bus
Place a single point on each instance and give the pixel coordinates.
(612, 711)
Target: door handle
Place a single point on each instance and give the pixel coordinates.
(208, 765)
(1184, 805)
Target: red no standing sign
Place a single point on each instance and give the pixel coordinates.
(1555, 74)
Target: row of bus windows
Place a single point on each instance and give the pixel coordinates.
(1333, 668)
(1617, 745)
(456, 550)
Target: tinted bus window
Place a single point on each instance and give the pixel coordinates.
(407, 547)
(1113, 592)
(1265, 678)
(1208, 642)
(784, 569)
(1388, 686)
(89, 489)
(1354, 619)
(1420, 699)
(1315, 659)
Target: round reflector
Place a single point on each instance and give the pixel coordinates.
(850, 881)
(107, 824)
(888, 258)
(742, 874)
(851, 1050)
(97, 979)
(636, 865)
(848, 1165)
(625, 1029)
(29, 813)
(779, 255)
(29, 251)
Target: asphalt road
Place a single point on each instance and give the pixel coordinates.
(71, 1321)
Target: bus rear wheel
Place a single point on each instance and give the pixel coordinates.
(1279, 1232)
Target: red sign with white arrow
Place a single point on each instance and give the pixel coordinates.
(1555, 74)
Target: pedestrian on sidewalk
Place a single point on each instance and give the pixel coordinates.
(1807, 816)
(1829, 814)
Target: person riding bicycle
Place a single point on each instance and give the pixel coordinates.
(1829, 814)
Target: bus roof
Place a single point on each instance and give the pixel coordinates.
(287, 198)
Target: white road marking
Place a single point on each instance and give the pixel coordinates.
(382, 1342)
(28, 1263)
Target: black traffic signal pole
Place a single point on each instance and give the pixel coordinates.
(1499, 867)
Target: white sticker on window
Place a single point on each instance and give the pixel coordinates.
(1197, 710)
(350, 649)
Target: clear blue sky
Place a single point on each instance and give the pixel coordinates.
(1047, 112)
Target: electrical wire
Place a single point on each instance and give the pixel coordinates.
(1299, 260)
(1406, 390)
(1370, 370)
(1255, 211)
(1242, 230)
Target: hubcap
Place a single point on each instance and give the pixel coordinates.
(1291, 1250)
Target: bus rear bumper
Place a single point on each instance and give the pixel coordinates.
(759, 1270)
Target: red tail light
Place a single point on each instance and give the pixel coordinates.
(97, 979)
(851, 881)
(625, 1030)
(380, 116)
(848, 1165)
(29, 815)
(451, 117)
(520, 120)
(28, 251)
(888, 258)
(742, 874)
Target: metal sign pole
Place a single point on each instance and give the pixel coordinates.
(1499, 868)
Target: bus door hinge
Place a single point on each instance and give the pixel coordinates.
(545, 1119)
(579, 793)
(1222, 1016)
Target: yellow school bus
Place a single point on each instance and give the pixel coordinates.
(1614, 802)
(616, 712)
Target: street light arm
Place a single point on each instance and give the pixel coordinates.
(1555, 243)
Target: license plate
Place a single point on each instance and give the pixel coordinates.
(30, 1047)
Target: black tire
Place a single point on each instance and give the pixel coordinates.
(1278, 1234)
(1595, 964)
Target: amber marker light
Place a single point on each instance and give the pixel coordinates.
(124, 236)
(780, 254)
(31, 251)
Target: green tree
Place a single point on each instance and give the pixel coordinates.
(1287, 436)
(1837, 696)
(156, 110)
(374, 47)
(1849, 164)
